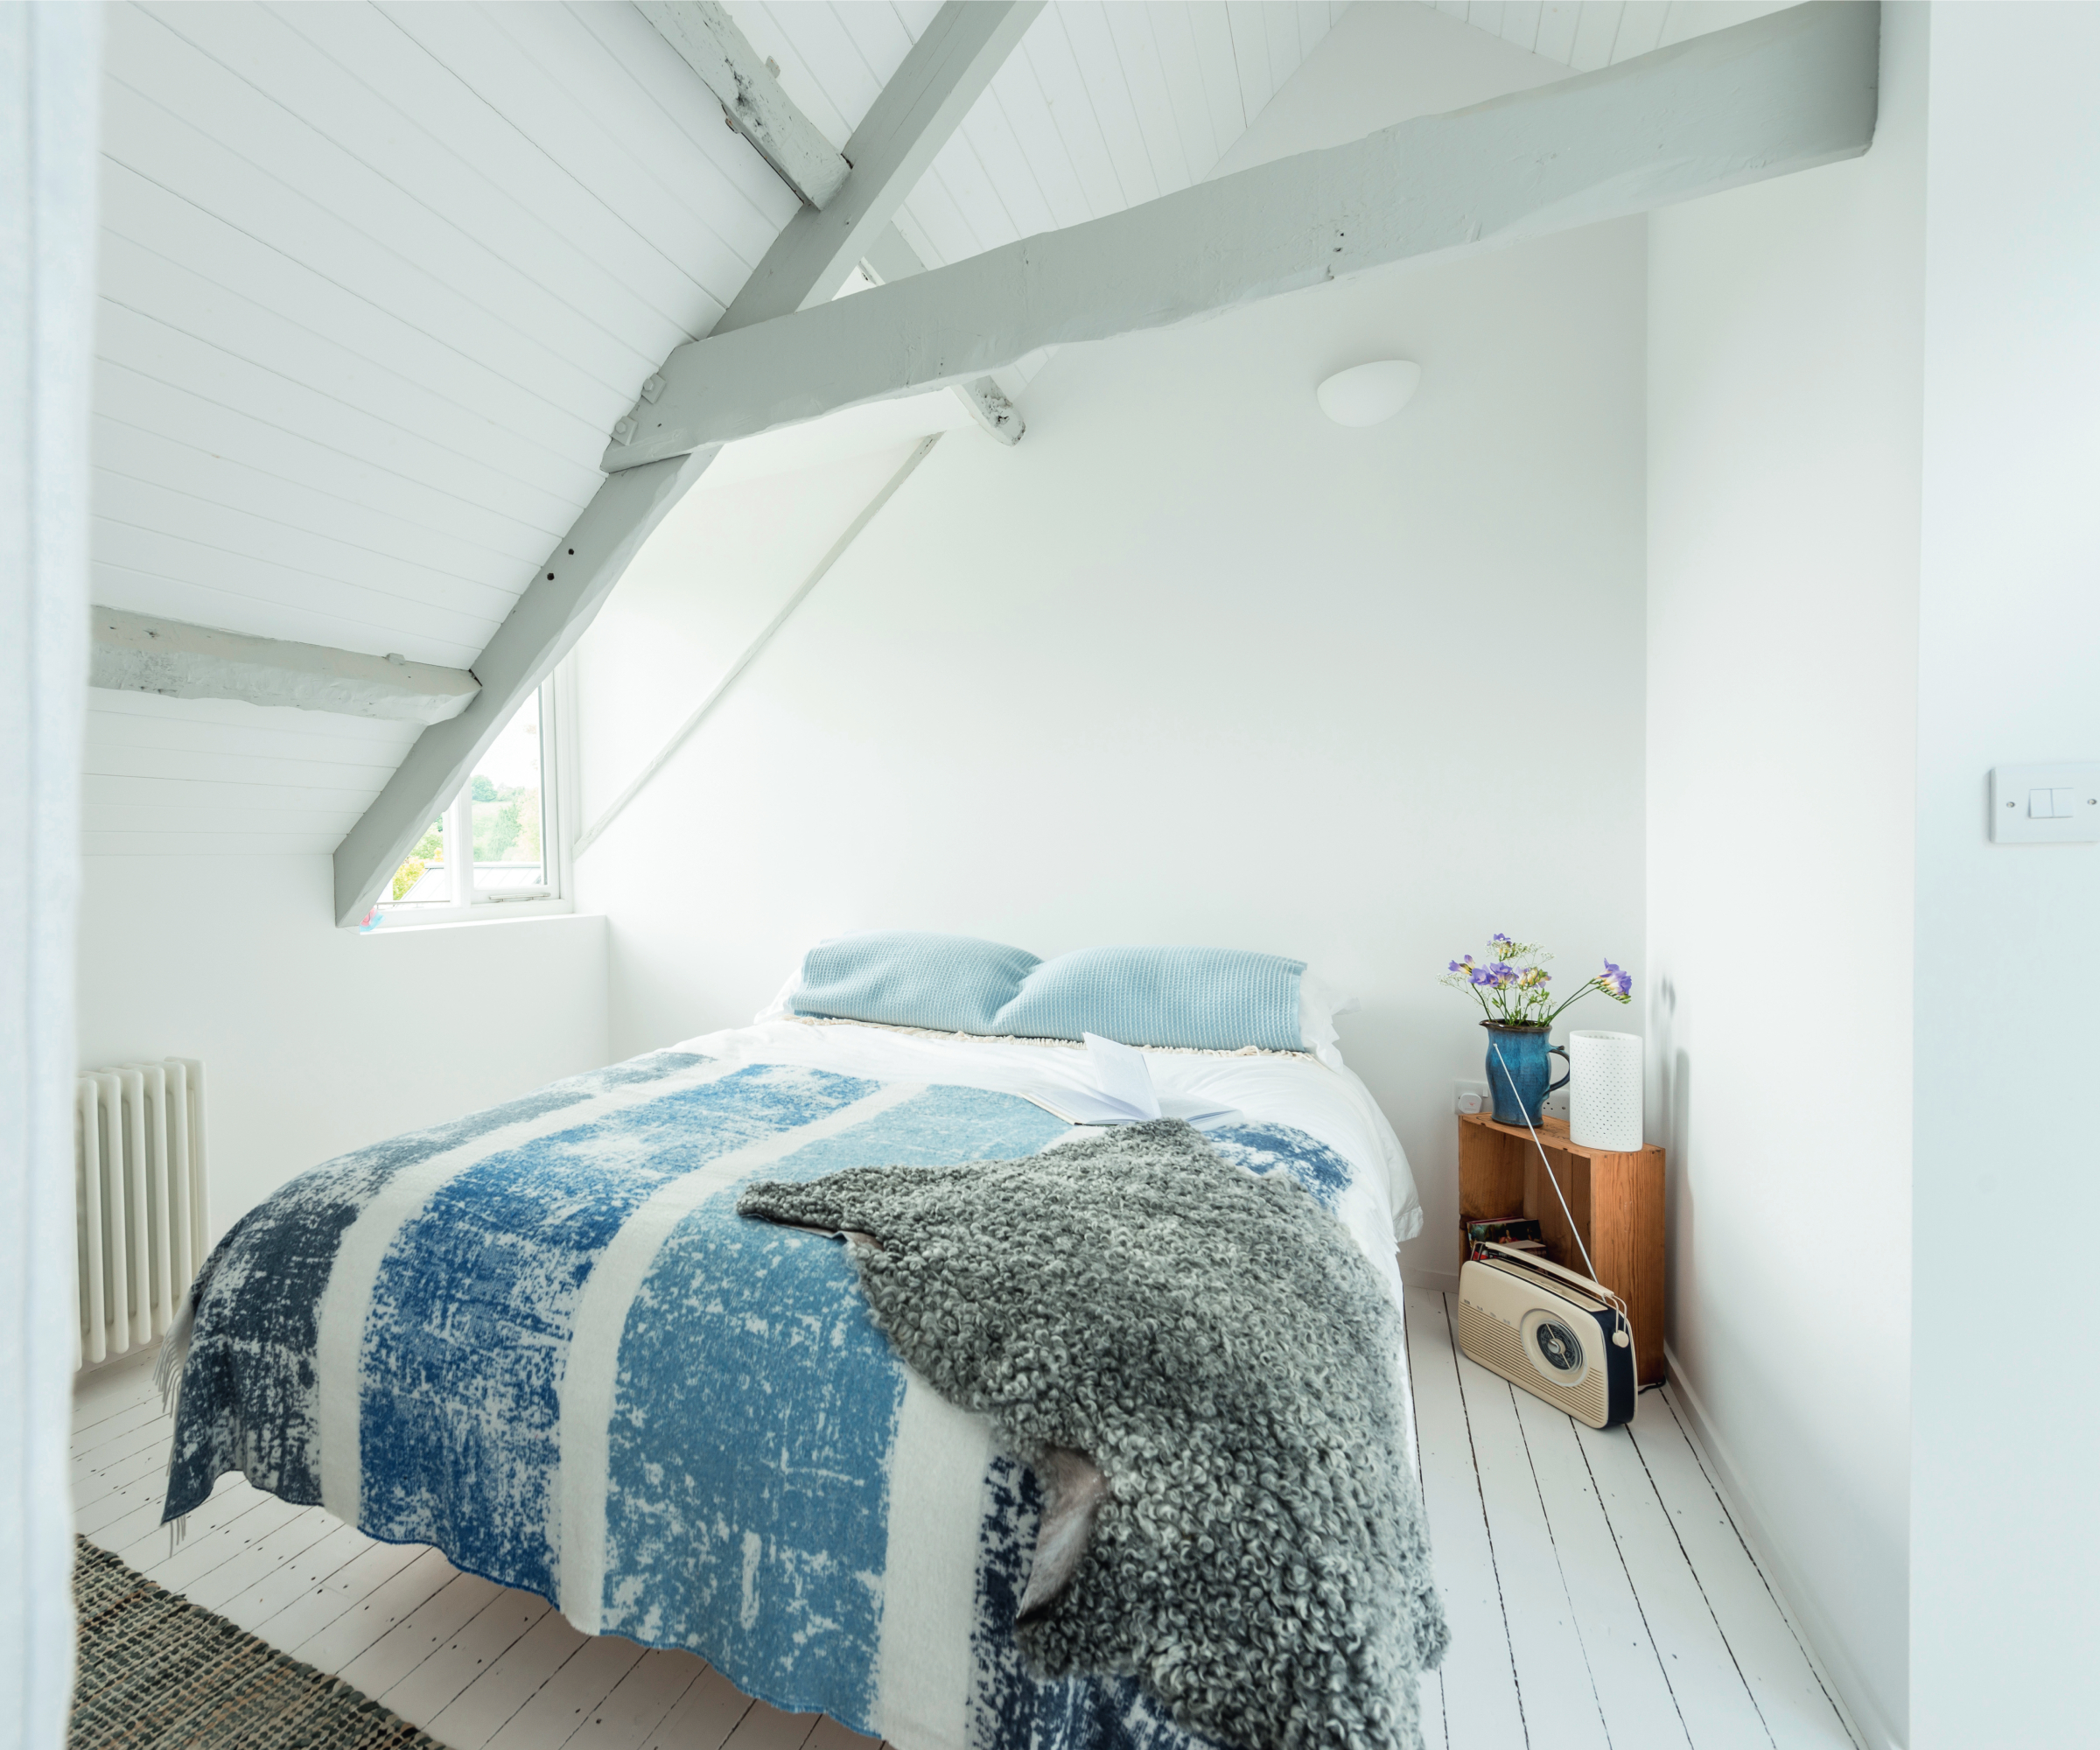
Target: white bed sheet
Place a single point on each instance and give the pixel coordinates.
(1332, 1106)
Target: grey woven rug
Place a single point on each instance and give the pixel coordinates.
(157, 1672)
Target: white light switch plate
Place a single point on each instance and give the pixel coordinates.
(2028, 805)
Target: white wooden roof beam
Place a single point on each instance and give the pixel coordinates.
(709, 41)
(138, 652)
(945, 72)
(1782, 93)
(892, 257)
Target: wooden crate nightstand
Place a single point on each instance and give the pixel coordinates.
(1618, 1204)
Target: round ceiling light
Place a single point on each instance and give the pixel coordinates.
(1363, 395)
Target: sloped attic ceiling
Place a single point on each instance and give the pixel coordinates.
(377, 280)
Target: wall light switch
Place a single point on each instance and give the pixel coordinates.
(2045, 804)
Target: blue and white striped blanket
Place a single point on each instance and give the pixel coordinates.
(540, 1338)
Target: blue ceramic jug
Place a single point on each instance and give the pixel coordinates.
(1518, 1072)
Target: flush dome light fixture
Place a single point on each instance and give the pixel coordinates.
(1364, 394)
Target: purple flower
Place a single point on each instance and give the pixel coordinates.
(1465, 965)
(1623, 982)
(1482, 975)
(1498, 936)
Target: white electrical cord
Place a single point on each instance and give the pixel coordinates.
(1620, 1336)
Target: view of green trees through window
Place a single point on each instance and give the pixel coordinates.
(502, 811)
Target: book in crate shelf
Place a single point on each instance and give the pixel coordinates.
(1616, 1199)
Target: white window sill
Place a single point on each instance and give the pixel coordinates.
(467, 917)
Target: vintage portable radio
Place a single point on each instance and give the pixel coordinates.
(1560, 1336)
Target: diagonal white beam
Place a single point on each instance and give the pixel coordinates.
(910, 121)
(141, 653)
(709, 41)
(1782, 93)
(945, 72)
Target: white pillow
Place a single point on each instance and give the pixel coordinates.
(1319, 1002)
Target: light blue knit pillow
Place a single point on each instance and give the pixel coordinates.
(1214, 998)
(912, 979)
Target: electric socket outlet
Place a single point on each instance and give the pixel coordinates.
(1557, 1105)
(1476, 1092)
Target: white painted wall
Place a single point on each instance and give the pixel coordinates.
(2005, 1600)
(1784, 501)
(1190, 664)
(316, 1040)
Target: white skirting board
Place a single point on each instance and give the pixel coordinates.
(1793, 1599)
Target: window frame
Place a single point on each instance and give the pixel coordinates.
(557, 766)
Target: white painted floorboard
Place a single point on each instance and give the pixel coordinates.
(1598, 1591)
(1599, 1594)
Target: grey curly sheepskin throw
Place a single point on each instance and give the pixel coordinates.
(1214, 1343)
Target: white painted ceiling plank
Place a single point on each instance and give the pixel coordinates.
(1520, 22)
(1006, 165)
(169, 72)
(213, 818)
(949, 235)
(1057, 73)
(962, 176)
(708, 40)
(134, 454)
(1486, 15)
(1557, 25)
(163, 148)
(1250, 54)
(152, 348)
(1108, 88)
(104, 842)
(1212, 30)
(168, 228)
(1784, 92)
(1595, 34)
(113, 758)
(1026, 115)
(1279, 20)
(669, 274)
(1312, 24)
(1639, 28)
(260, 47)
(309, 803)
(147, 504)
(878, 31)
(550, 459)
(560, 84)
(171, 413)
(1174, 40)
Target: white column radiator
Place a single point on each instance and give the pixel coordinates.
(138, 1184)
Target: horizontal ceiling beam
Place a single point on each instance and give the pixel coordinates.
(708, 40)
(891, 257)
(1782, 93)
(946, 71)
(138, 652)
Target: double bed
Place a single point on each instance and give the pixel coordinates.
(541, 1339)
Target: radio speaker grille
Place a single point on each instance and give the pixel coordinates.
(1500, 1349)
